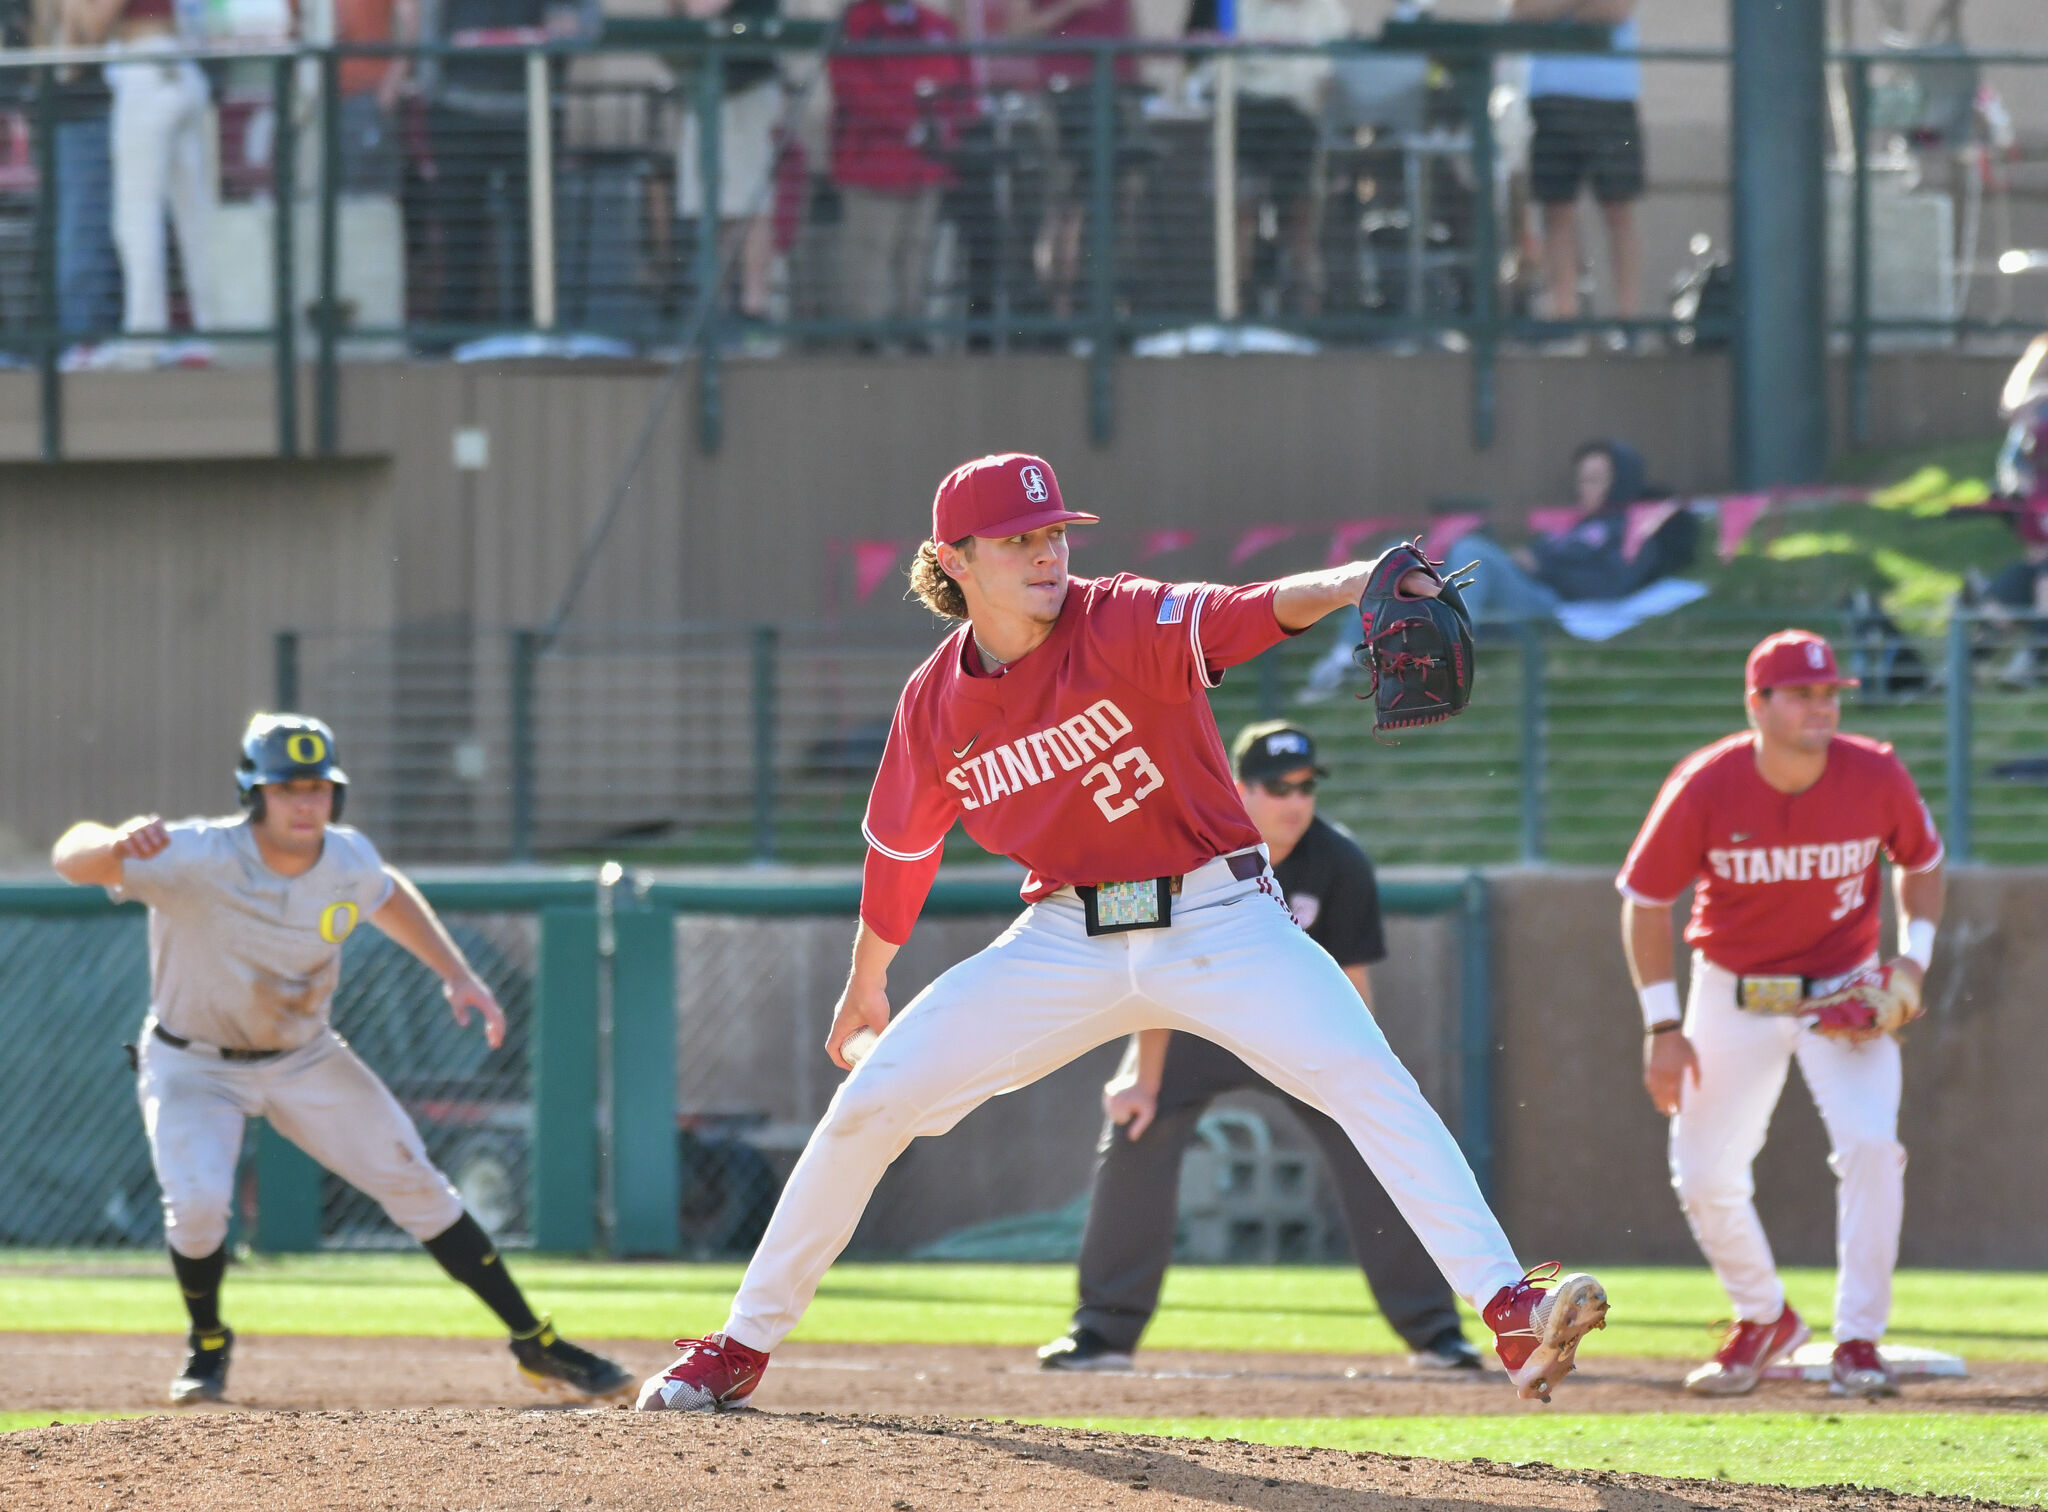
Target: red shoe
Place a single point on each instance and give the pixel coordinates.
(1861, 1371)
(1537, 1331)
(715, 1374)
(1749, 1350)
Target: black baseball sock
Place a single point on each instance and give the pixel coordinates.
(466, 1253)
(199, 1281)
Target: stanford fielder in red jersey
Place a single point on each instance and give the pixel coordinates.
(1781, 828)
(1064, 724)
(1787, 881)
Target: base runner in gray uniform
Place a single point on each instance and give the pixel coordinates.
(246, 921)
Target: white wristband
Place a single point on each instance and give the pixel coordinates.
(1660, 1004)
(1916, 942)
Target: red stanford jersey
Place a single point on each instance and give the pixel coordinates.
(1787, 881)
(1094, 758)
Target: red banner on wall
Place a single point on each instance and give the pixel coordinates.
(873, 561)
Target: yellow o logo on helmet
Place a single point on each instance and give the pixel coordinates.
(305, 748)
(338, 921)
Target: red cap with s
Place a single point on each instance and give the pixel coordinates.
(999, 496)
(1794, 658)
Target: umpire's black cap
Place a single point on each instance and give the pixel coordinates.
(1273, 748)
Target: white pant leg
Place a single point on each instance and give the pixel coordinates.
(332, 1106)
(191, 191)
(1856, 1088)
(1719, 1129)
(1235, 969)
(193, 1110)
(1040, 995)
(147, 102)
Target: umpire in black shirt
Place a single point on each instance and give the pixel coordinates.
(1168, 1081)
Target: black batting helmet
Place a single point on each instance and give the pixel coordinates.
(284, 748)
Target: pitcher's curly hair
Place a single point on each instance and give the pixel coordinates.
(931, 585)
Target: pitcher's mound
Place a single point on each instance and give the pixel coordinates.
(799, 1462)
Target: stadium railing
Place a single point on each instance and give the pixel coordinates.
(525, 202)
(661, 1069)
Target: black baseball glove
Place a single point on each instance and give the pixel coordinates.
(1419, 650)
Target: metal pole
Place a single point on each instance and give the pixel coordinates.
(1102, 246)
(1958, 837)
(1778, 146)
(710, 97)
(525, 653)
(1859, 252)
(50, 384)
(286, 664)
(1535, 756)
(1478, 74)
(284, 190)
(540, 190)
(1475, 1034)
(1223, 176)
(764, 743)
(326, 379)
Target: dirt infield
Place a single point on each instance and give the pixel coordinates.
(126, 1373)
(797, 1462)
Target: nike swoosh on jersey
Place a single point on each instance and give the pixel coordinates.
(968, 747)
(1738, 837)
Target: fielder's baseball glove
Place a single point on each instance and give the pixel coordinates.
(1881, 1000)
(1419, 650)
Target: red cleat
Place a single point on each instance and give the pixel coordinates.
(715, 1374)
(1748, 1351)
(1859, 1370)
(1537, 1330)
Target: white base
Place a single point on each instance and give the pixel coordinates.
(1815, 1362)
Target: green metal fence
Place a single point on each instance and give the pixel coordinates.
(642, 1103)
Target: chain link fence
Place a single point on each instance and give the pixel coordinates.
(708, 745)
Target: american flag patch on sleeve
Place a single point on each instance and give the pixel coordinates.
(1173, 606)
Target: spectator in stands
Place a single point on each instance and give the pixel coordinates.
(1587, 560)
(2018, 593)
(750, 130)
(1067, 79)
(88, 267)
(475, 180)
(1280, 103)
(1583, 107)
(893, 123)
(163, 158)
(372, 91)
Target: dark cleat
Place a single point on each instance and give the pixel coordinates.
(551, 1362)
(205, 1376)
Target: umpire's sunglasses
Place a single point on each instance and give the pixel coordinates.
(1278, 788)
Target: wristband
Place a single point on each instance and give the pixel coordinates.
(1669, 1026)
(1916, 942)
(1660, 1004)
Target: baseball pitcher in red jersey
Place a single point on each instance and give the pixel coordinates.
(1064, 724)
(1781, 828)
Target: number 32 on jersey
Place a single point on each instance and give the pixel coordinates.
(1107, 779)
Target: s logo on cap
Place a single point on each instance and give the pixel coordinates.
(1033, 480)
(1816, 658)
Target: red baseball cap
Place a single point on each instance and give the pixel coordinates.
(1794, 658)
(1004, 495)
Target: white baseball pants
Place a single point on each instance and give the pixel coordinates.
(1721, 1125)
(320, 1097)
(1233, 968)
(163, 158)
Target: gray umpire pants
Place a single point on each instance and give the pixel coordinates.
(1134, 1208)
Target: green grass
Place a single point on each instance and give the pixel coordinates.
(1659, 1311)
(1993, 1456)
(14, 1422)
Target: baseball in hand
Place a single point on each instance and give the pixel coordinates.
(858, 1045)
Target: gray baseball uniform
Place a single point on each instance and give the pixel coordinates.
(247, 960)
